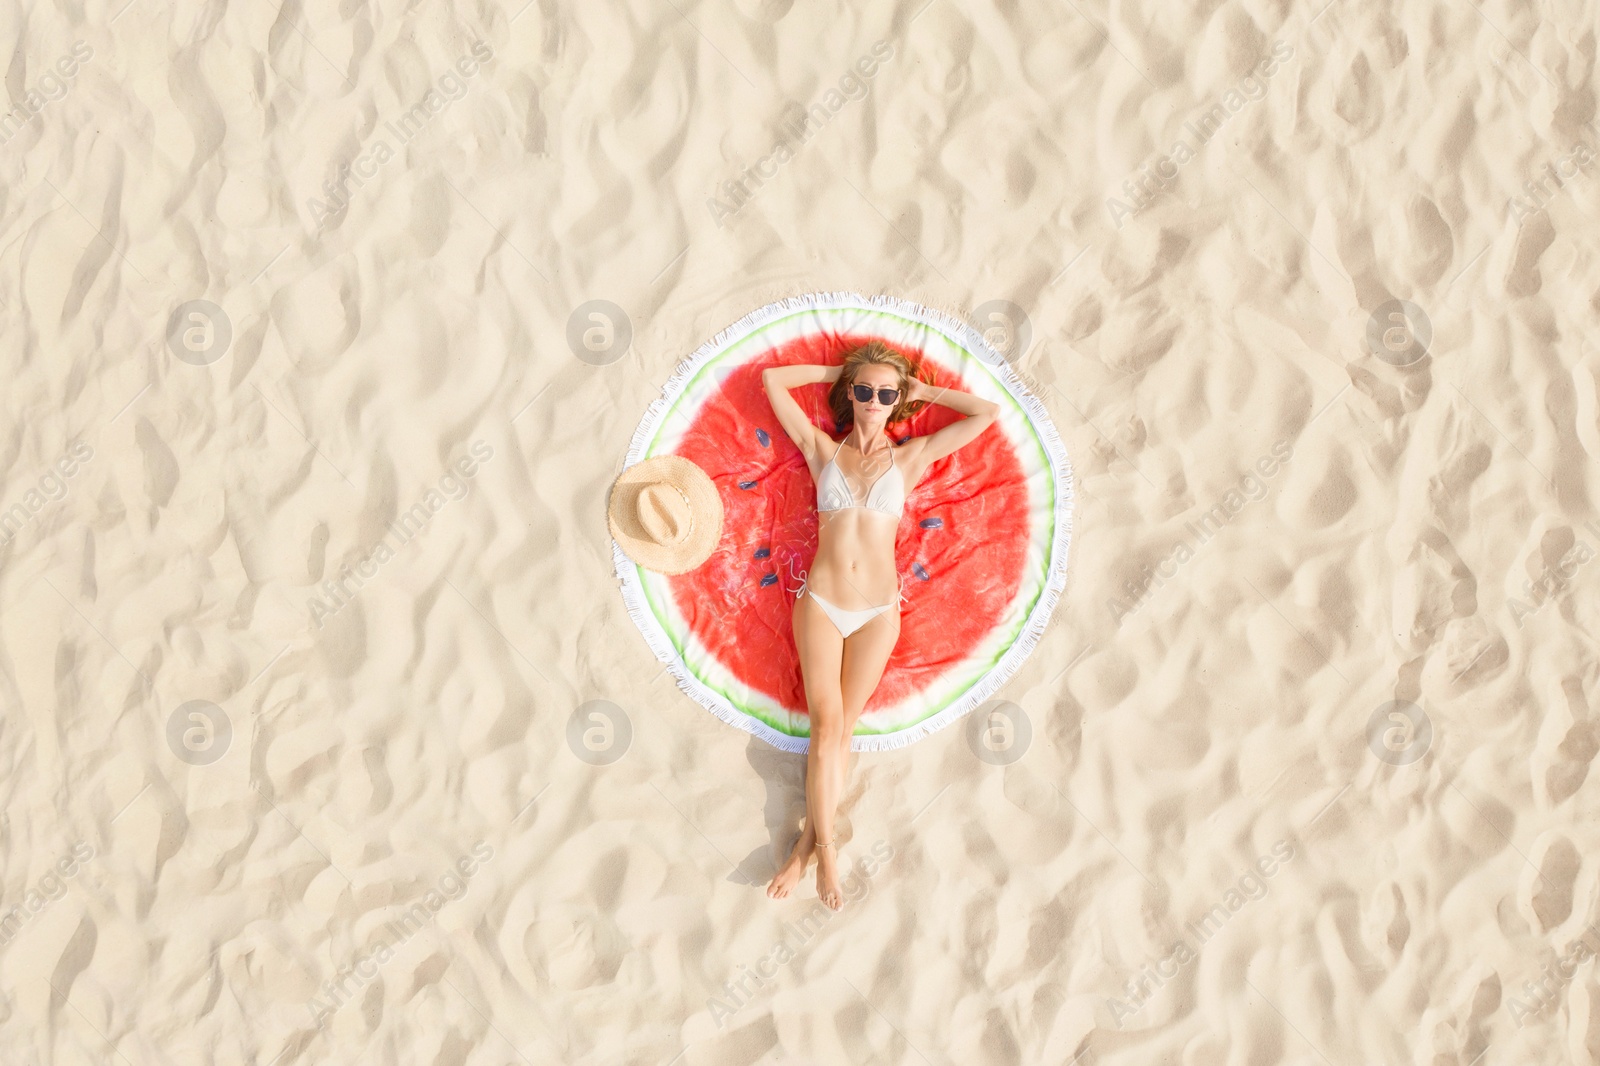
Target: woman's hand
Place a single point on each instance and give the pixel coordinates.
(797, 426)
(920, 390)
(964, 403)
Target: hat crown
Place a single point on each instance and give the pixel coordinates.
(664, 512)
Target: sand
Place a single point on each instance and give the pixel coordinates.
(326, 735)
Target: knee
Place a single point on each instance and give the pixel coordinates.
(827, 728)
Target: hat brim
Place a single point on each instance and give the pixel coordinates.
(705, 507)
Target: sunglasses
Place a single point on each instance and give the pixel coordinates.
(886, 396)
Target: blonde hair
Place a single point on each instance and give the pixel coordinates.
(874, 353)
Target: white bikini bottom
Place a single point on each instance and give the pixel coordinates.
(846, 622)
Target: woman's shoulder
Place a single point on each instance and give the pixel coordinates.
(826, 447)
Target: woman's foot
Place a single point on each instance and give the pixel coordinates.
(828, 876)
(794, 867)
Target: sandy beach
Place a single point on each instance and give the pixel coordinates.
(327, 737)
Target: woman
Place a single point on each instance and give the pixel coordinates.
(847, 616)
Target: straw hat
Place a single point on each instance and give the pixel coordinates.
(665, 514)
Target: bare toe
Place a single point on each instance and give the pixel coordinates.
(782, 882)
(790, 872)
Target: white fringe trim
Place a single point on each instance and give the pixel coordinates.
(1038, 620)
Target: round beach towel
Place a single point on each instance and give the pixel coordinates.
(982, 544)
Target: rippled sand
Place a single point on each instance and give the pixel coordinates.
(306, 600)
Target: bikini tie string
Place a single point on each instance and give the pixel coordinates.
(801, 577)
(805, 575)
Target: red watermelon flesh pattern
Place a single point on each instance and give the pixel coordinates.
(961, 571)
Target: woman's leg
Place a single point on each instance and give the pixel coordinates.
(821, 651)
(866, 653)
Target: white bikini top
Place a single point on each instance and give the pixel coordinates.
(886, 496)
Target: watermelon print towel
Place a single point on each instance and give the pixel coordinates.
(982, 545)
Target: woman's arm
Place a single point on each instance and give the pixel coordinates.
(980, 413)
(778, 380)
